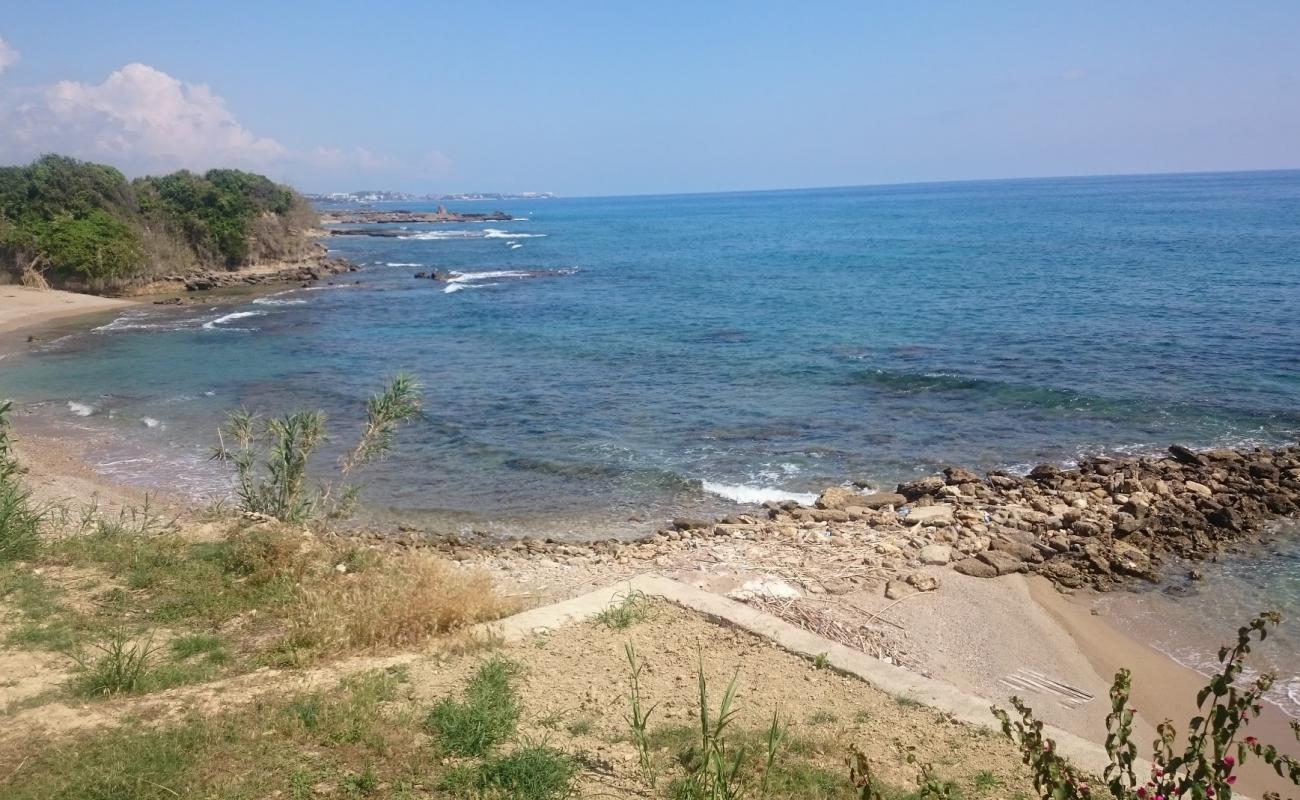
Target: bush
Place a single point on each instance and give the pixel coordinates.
(270, 458)
(19, 519)
(83, 224)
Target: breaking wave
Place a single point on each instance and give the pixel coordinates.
(754, 495)
(211, 325)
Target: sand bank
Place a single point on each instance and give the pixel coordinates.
(21, 307)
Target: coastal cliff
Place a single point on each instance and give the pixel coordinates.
(84, 227)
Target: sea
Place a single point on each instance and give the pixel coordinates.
(598, 365)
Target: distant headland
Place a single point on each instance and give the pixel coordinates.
(369, 196)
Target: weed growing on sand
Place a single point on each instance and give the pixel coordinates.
(986, 781)
(270, 457)
(625, 611)
(531, 772)
(718, 767)
(638, 718)
(866, 786)
(122, 667)
(488, 716)
(19, 519)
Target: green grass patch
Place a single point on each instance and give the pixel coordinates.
(532, 772)
(346, 738)
(626, 611)
(488, 716)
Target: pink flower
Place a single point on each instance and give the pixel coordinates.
(1228, 761)
(1251, 740)
(1142, 793)
(1232, 779)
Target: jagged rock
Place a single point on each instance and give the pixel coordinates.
(838, 498)
(897, 590)
(959, 475)
(1063, 574)
(1199, 488)
(923, 581)
(914, 490)
(975, 568)
(936, 554)
(880, 500)
(1004, 563)
(1044, 473)
(688, 523)
(1019, 550)
(1185, 455)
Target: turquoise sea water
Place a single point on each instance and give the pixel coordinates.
(601, 364)
(614, 358)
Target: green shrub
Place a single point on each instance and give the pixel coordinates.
(84, 224)
(19, 519)
(270, 458)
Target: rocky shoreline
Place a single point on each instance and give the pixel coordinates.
(303, 272)
(403, 217)
(1108, 522)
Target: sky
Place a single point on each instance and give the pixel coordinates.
(600, 98)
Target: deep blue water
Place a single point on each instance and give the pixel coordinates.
(660, 354)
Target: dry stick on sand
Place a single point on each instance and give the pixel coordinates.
(891, 605)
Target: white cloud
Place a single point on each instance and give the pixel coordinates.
(8, 56)
(143, 120)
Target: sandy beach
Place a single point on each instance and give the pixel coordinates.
(22, 307)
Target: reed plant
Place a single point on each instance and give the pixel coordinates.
(270, 458)
(20, 519)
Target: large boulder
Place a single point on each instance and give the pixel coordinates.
(914, 490)
(839, 498)
(956, 475)
(880, 500)
(976, 568)
(1004, 563)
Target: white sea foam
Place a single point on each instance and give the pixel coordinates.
(425, 236)
(515, 245)
(211, 325)
(402, 264)
(753, 495)
(470, 277)
(274, 300)
(80, 409)
(496, 233)
(150, 422)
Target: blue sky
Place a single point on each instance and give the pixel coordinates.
(614, 98)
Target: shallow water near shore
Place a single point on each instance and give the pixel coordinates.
(1189, 620)
(599, 364)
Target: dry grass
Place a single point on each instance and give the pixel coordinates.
(399, 601)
